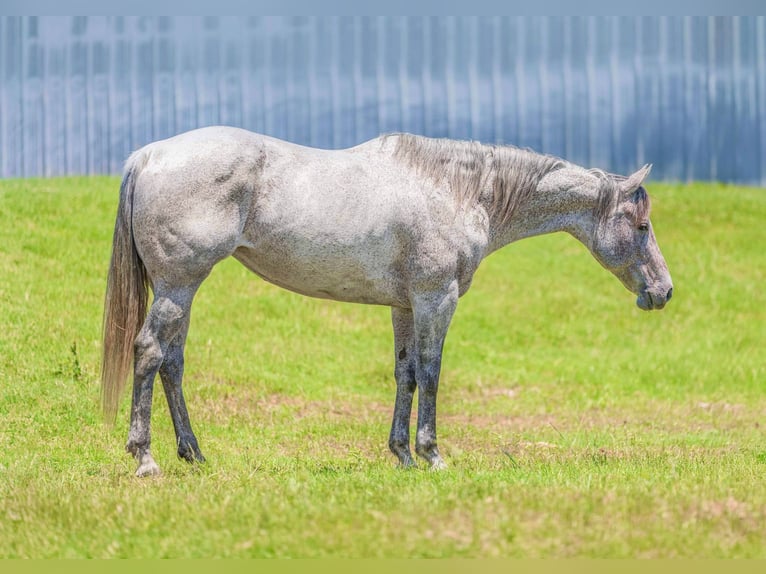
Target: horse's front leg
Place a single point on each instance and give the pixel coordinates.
(432, 315)
(405, 360)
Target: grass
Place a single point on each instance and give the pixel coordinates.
(574, 424)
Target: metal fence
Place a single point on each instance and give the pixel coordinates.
(688, 94)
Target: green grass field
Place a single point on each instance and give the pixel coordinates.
(574, 424)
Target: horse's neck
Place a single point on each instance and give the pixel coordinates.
(564, 200)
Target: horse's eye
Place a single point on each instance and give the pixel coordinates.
(643, 226)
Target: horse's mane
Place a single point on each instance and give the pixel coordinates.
(469, 166)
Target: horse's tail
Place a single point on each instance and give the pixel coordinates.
(126, 296)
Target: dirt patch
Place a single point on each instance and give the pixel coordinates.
(257, 405)
(643, 416)
(721, 407)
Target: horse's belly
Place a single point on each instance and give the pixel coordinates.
(337, 275)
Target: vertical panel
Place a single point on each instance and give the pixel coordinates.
(761, 94)
(497, 80)
(13, 110)
(254, 83)
(343, 81)
(389, 54)
(2, 98)
(509, 79)
(98, 87)
(121, 102)
(745, 76)
(55, 100)
(483, 93)
(77, 112)
(322, 110)
(520, 81)
(648, 93)
(437, 108)
(144, 79)
(722, 114)
(671, 150)
(712, 95)
(695, 141)
(164, 82)
(185, 77)
(299, 104)
(459, 92)
(208, 103)
(530, 64)
(552, 86)
(599, 92)
(230, 78)
(33, 99)
(625, 122)
(576, 84)
(411, 75)
(367, 32)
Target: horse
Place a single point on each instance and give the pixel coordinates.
(401, 220)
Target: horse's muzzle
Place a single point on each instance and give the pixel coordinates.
(650, 299)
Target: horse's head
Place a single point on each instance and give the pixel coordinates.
(623, 242)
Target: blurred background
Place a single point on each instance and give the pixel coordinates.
(688, 94)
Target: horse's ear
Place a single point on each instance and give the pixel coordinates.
(633, 182)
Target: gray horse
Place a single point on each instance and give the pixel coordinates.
(400, 220)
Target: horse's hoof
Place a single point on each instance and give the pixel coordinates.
(150, 469)
(431, 455)
(147, 467)
(191, 456)
(188, 450)
(406, 464)
(438, 464)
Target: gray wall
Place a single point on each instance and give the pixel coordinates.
(78, 94)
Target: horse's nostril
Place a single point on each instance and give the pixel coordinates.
(669, 295)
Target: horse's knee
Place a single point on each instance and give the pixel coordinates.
(406, 382)
(404, 374)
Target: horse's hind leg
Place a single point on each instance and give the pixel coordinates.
(171, 373)
(166, 317)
